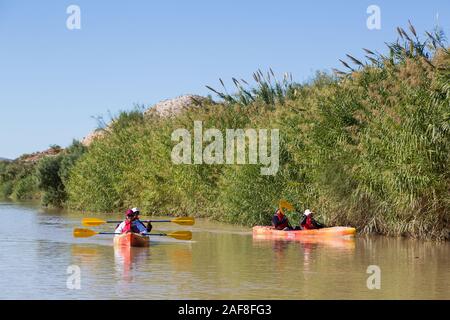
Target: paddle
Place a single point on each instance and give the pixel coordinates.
(179, 235)
(183, 221)
(286, 205)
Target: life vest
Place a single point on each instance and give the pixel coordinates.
(130, 227)
(308, 223)
(127, 227)
(282, 221)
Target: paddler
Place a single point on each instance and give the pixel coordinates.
(308, 222)
(280, 221)
(133, 224)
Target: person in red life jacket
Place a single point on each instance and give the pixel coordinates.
(133, 224)
(280, 221)
(308, 222)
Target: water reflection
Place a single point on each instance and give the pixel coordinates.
(87, 254)
(280, 245)
(309, 248)
(180, 257)
(126, 258)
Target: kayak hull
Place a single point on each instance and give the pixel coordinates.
(262, 232)
(131, 240)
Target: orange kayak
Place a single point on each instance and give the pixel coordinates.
(131, 240)
(271, 233)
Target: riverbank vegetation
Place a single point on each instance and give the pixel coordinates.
(368, 147)
(40, 176)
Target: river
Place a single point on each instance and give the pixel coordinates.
(39, 257)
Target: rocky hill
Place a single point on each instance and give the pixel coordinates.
(87, 141)
(175, 106)
(164, 108)
(35, 157)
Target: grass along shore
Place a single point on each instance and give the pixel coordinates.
(368, 147)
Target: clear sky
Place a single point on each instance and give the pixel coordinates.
(53, 80)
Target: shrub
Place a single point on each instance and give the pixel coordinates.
(6, 189)
(25, 188)
(53, 173)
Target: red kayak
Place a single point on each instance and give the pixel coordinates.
(131, 240)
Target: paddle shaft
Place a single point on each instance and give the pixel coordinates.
(114, 221)
(143, 234)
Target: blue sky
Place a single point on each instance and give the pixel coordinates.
(53, 81)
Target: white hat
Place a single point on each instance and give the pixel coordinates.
(135, 210)
(307, 212)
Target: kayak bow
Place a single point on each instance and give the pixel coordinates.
(131, 240)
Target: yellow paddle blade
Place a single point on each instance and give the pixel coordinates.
(83, 233)
(181, 235)
(184, 221)
(286, 205)
(92, 222)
